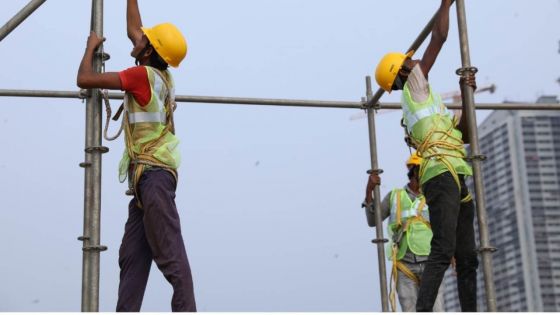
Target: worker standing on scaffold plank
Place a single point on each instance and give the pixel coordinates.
(150, 160)
(410, 235)
(438, 137)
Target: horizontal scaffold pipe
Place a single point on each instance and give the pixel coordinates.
(277, 102)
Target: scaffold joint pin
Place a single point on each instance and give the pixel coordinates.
(85, 164)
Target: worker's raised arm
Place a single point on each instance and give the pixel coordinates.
(87, 78)
(133, 21)
(439, 36)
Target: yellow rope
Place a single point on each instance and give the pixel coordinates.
(429, 149)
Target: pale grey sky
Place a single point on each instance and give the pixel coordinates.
(269, 197)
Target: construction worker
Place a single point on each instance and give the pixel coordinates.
(150, 161)
(439, 139)
(410, 235)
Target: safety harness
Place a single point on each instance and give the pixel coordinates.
(141, 161)
(401, 229)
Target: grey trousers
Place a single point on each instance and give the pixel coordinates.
(153, 233)
(407, 289)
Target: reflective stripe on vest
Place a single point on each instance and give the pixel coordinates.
(148, 133)
(142, 117)
(435, 106)
(408, 207)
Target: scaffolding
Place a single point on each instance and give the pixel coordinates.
(370, 103)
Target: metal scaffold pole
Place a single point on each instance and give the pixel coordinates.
(20, 17)
(92, 183)
(468, 99)
(379, 240)
(414, 46)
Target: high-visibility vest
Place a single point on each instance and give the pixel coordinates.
(411, 219)
(431, 127)
(149, 130)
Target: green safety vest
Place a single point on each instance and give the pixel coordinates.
(411, 220)
(431, 127)
(149, 129)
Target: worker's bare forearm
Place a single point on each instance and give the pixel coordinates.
(86, 68)
(441, 24)
(133, 21)
(462, 126)
(440, 30)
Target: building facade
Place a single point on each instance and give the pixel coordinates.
(521, 178)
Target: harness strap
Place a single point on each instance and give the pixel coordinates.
(141, 160)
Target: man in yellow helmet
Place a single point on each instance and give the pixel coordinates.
(410, 234)
(439, 139)
(150, 160)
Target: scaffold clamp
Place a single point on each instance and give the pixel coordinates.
(375, 171)
(466, 70)
(379, 240)
(490, 249)
(101, 149)
(478, 157)
(98, 248)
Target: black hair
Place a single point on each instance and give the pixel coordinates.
(156, 61)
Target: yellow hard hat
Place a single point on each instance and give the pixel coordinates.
(414, 160)
(388, 69)
(168, 42)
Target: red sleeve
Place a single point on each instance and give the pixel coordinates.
(135, 81)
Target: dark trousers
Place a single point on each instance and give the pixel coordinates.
(452, 226)
(153, 232)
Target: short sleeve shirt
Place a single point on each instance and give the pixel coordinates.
(135, 81)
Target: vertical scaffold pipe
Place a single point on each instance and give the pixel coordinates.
(468, 99)
(379, 241)
(92, 183)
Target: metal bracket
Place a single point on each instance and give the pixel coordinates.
(466, 70)
(379, 240)
(366, 105)
(83, 238)
(101, 149)
(98, 248)
(85, 164)
(83, 94)
(490, 249)
(376, 171)
(478, 157)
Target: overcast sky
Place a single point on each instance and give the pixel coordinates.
(269, 197)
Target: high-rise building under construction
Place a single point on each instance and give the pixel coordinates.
(521, 178)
